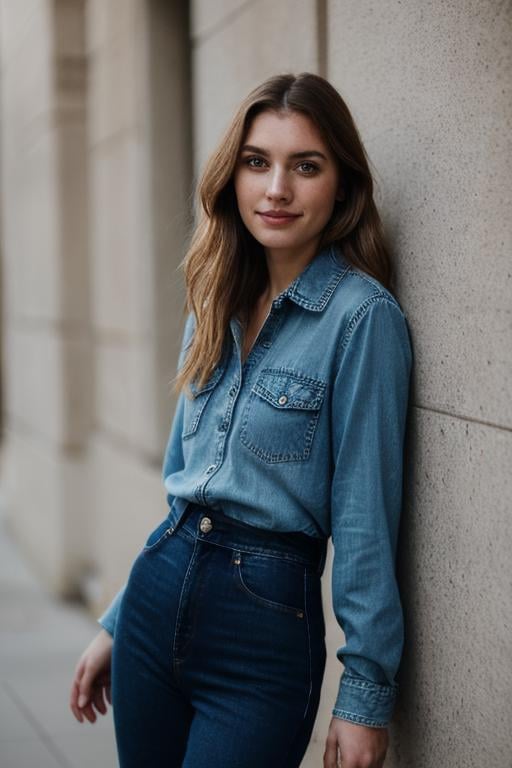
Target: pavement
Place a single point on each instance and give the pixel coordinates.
(41, 639)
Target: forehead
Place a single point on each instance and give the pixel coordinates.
(285, 131)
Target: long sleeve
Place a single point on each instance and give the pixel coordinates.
(172, 462)
(370, 402)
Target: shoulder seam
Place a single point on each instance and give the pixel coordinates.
(361, 310)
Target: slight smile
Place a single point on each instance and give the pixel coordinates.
(275, 218)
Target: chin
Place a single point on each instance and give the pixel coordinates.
(276, 240)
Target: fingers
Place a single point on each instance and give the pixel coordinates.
(98, 701)
(73, 701)
(75, 691)
(87, 693)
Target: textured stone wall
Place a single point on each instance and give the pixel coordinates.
(429, 85)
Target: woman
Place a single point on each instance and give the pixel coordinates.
(293, 381)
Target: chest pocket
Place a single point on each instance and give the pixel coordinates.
(281, 415)
(193, 409)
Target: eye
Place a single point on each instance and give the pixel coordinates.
(254, 162)
(308, 168)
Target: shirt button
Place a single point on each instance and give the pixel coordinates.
(210, 469)
(282, 400)
(232, 391)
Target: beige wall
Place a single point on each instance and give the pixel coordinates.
(139, 160)
(95, 195)
(429, 85)
(96, 181)
(46, 298)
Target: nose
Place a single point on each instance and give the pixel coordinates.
(278, 187)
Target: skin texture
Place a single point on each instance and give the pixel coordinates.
(308, 186)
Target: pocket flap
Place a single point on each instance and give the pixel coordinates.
(288, 389)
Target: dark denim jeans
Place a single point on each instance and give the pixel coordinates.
(219, 648)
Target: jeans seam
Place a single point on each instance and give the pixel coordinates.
(306, 615)
(175, 659)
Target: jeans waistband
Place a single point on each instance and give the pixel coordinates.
(208, 524)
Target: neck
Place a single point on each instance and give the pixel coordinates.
(284, 264)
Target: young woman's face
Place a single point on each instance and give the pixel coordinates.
(286, 181)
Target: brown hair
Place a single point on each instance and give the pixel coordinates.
(225, 268)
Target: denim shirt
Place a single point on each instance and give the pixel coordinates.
(308, 435)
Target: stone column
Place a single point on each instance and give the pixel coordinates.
(47, 370)
(140, 172)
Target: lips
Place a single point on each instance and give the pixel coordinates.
(279, 214)
(277, 217)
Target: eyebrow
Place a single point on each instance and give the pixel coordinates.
(294, 155)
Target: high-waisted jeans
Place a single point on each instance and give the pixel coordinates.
(219, 648)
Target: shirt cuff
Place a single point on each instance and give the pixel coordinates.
(108, 626)
(108, 618)
(365, 702)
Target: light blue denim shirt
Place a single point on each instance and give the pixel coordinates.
(308, 435)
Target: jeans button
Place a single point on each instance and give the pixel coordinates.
(205, 525)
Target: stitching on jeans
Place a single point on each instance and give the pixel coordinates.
(179, 616)
(247, 548)
(263, 600)
(309, 644)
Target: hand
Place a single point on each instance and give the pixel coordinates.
(92, 679)
(360, 746)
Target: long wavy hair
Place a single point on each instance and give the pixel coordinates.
(225, 268)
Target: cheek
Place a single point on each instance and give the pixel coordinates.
(245, 190)
(322, 200)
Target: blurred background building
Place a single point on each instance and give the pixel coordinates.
(109, 109)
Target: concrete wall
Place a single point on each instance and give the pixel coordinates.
(429, 85)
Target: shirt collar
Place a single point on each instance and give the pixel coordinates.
(314, 286)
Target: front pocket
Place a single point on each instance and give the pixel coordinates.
(158, 535)
(272, 582)
(193, 408)
(281, 415)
